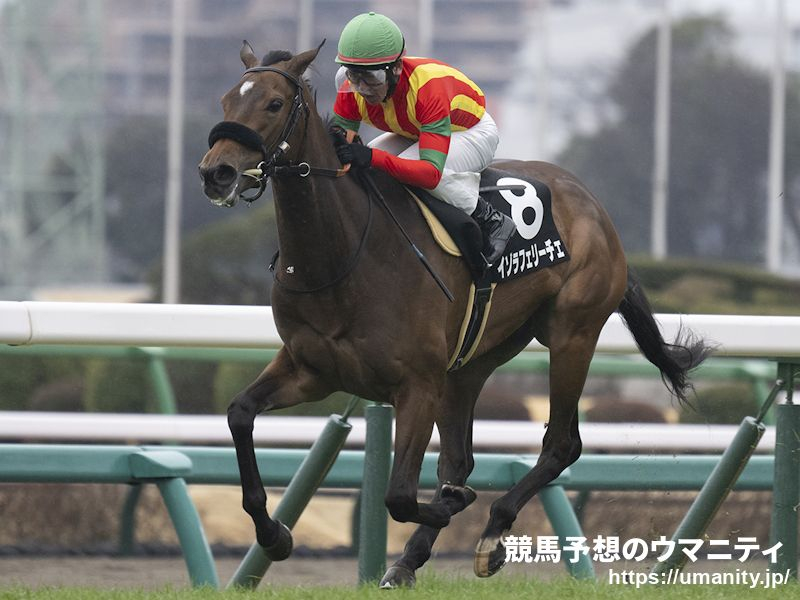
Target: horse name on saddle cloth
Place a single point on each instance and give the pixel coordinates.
(536, 245)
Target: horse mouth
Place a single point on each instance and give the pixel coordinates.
(226, 201)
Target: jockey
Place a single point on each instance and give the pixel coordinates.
(439, 135)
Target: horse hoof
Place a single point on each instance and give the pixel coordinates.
(490, 556)
(465, 495)
(282, 547)
(398, 576)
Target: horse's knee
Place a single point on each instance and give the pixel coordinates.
(402, 508)
(240, 416)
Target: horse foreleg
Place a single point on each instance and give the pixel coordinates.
(414, 415)
(280, 385)
(454, 420)
(569, 364)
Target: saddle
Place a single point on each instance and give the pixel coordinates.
(536, 245)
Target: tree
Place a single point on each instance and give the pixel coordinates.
(227, 263)
(136, 158)
(718, 156)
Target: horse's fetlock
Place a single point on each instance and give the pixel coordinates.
(254, 502)
(502, 515)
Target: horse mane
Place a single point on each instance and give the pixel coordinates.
(276, 56)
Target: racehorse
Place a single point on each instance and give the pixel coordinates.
(357, 313)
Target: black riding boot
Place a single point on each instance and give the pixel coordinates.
(497, 229)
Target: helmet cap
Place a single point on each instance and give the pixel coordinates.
(370, 40)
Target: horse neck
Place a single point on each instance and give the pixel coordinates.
(319, 218)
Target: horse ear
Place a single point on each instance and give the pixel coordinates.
(301, 62)
(247, 55)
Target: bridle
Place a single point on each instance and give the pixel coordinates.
(250, 138)
(269, 167)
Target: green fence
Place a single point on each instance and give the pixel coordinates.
(759, 374)
(173, 468)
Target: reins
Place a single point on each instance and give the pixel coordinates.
(268, 167)
(351, 265)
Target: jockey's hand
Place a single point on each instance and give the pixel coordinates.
(358, 155)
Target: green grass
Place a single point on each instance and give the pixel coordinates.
(429, 588)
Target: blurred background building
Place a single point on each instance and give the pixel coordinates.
(84, 95)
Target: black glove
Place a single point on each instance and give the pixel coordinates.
(358, 155)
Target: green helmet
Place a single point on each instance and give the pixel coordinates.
(370, 40)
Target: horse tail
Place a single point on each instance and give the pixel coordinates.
(674, 360)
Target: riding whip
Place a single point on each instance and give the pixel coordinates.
(373, 190)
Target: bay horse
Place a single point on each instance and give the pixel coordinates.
(357, 313)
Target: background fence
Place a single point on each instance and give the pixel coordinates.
(30, 323)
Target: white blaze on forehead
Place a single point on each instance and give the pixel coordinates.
(246, 87)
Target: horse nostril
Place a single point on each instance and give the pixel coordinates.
(221, 175)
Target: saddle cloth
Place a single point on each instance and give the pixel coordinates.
(536, 245)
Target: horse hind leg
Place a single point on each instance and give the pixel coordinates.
(280, 385)
(455, 464)
(570, 355)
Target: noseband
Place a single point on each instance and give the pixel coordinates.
(249, 138)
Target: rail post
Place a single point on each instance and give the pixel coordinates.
(127, 522)
(565, 524)
(373, 519)
(786, 493)
(305, 482)
(159, 378)
(714, 491)
(727, 471)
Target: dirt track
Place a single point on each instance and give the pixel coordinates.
(81, 516)
(155, 573)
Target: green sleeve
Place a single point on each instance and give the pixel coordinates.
(346, 124)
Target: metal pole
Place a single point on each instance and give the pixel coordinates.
(304, 484)
(172, 220)
(305, 25)
(658, 222)
(127, 520)
(714, 491)
(183, 513)
(425, 28)
(372, 531)
(786, 493)
(777, 143)
(162, 386)
(565, 524)
(543, 82)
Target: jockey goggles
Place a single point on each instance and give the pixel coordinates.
(363, 81)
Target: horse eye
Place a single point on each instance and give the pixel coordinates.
(275, 105)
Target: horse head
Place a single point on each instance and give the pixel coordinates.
(260, 127)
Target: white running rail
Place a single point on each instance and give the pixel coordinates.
(25, 323)
(253, 327)
(278, 431)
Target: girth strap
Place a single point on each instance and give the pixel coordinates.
(478, 308)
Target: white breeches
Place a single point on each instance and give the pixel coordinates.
(470, 152)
